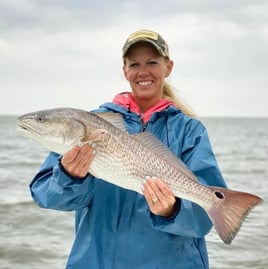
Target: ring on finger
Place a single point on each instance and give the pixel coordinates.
(154, 199)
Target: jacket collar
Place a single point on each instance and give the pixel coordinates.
(127, 101)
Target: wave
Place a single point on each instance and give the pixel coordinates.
(10, 201)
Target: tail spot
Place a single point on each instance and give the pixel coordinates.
(219, 194)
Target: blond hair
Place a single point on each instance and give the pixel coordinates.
(170, 94)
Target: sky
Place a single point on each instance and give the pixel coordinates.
(67, 53)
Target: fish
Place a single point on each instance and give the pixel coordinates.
(125, 160)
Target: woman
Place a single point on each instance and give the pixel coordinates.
(118, 228)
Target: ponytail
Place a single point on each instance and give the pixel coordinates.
(170, 94)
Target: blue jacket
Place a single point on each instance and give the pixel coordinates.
(114, 227)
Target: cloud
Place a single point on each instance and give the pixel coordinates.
(61, 52)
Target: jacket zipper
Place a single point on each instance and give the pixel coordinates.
(143, 124)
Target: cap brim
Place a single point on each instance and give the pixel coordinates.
(133, 42)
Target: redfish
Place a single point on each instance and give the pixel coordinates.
(126, 159)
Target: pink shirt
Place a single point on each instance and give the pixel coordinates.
(125, 99)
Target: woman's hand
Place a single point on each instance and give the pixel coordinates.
(159, 197)
(76, 162)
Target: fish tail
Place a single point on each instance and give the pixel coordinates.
(228, 217)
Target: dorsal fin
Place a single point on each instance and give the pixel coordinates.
(115, 119)
(148, 140)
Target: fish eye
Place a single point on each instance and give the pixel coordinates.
(40, 118)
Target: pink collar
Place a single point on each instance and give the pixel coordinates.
(126, 100)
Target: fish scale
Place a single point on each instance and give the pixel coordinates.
(125, 160)
(129, 171)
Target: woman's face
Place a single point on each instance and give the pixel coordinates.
(146, 70)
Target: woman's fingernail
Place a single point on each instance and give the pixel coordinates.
(147, 177)
(94, 152)
(79, 144)
(93, 145)
(154, 178)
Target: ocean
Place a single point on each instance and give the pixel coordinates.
(31, 237)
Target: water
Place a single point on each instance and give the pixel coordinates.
(31, 237)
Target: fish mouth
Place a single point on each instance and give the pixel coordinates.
(22, 127)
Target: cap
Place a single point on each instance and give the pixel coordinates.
(147, 36)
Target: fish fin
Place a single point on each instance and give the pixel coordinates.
(151, 142)
(229, 216)
(115, 119)
(95, 136)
